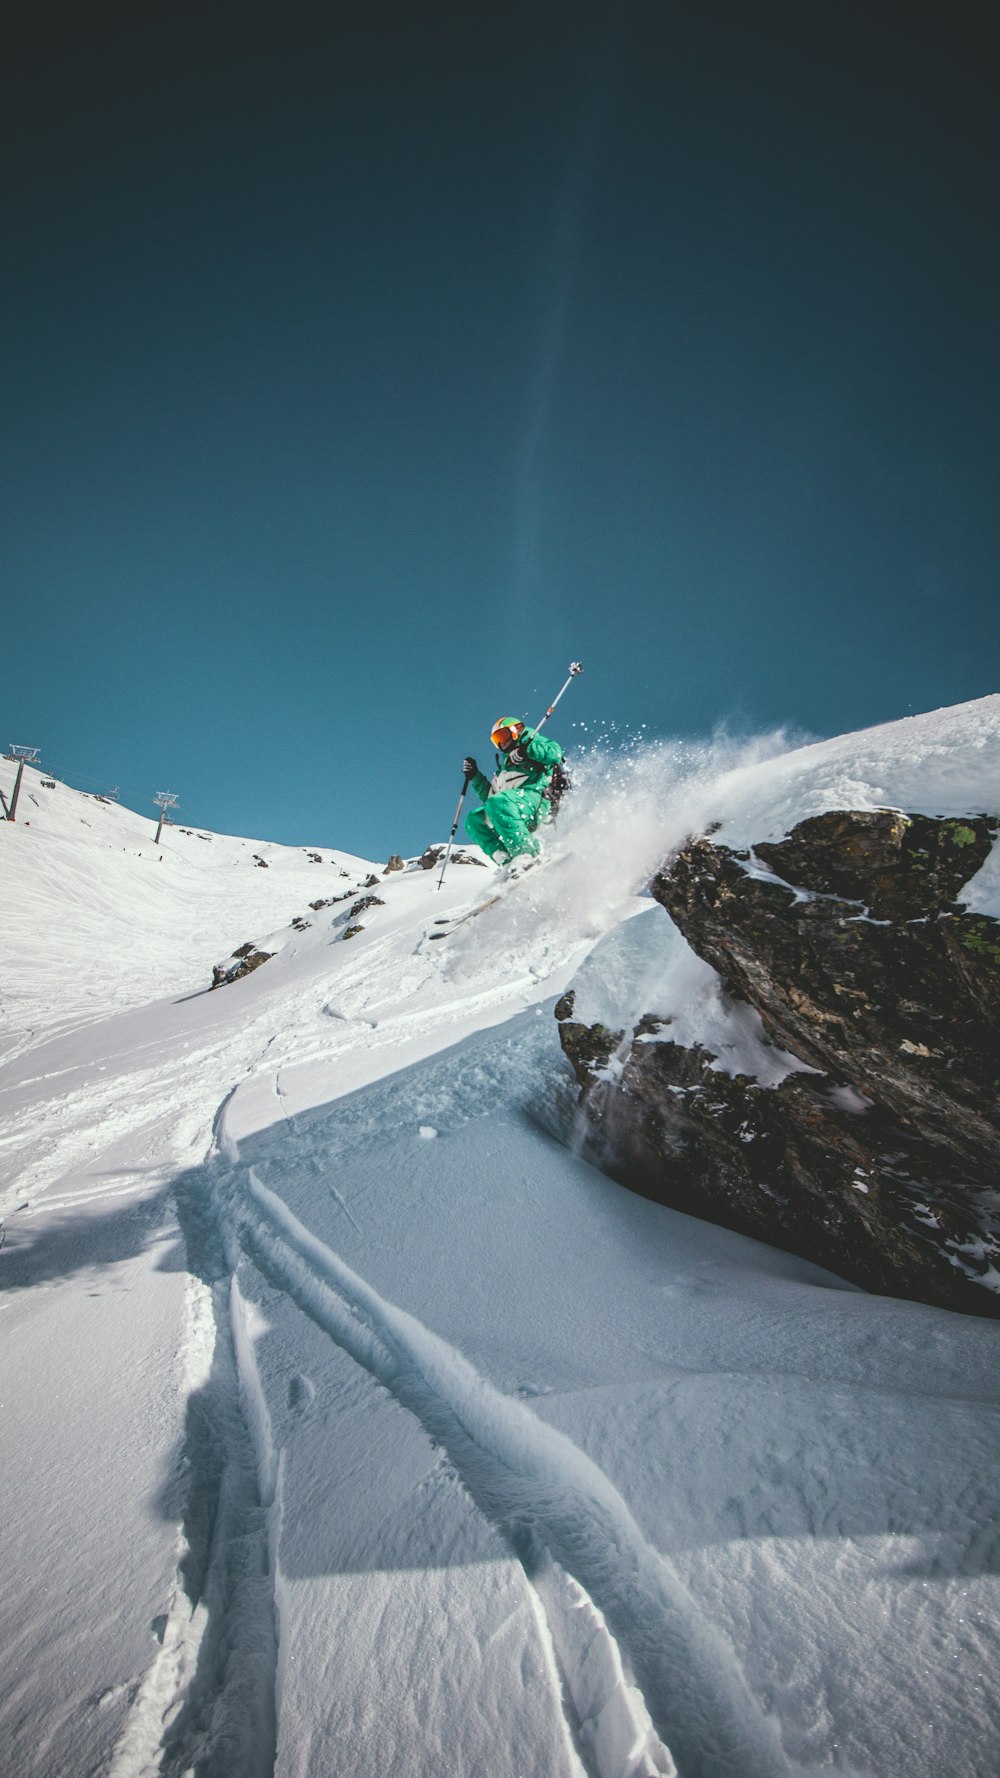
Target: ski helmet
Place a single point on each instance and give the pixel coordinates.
(506, 730)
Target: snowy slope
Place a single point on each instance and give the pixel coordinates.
(353, 1424)
(96, 917)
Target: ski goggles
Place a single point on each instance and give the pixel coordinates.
(505, 734)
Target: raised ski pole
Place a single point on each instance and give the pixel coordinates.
(454, 826)
(575, 667)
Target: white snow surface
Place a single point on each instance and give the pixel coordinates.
(352, 1423)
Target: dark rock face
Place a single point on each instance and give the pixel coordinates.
(366, 901)
(902, 866)
(395, 863)
(352, 924)
(589, 1048)
(434, 854)
(243, 962)
(892, 988)
(846, 938)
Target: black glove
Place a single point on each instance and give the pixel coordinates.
(518, 756)
(469, 766)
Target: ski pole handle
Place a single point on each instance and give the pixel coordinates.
(575, 667)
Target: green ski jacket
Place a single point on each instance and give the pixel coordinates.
(531, 777)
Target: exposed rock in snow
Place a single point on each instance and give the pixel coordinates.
(588, 1048)
(364, 903)
(847, 940)
(460, 855)
(243, 962)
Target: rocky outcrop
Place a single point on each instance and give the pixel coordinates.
(363, 904)
(353, 924)
(434, 854)
(242, 962)
(330, 901)
(589, 1048)
(879, 1153)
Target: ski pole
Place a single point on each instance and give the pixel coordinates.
(454, 826)
(575, 667)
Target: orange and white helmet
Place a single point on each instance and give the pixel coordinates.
(506, 731)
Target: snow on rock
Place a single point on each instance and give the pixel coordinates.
(844, 957)
(645, 803)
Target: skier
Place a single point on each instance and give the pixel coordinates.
(520, 795)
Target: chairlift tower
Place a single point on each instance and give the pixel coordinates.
(164, 800)
(25, 756)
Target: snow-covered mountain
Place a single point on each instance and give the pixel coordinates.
(354, 1423)
(97, 918)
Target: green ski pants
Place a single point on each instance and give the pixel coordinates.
(504, 826)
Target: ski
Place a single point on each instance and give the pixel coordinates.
(452, 925)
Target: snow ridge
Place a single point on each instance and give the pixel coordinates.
(208, 1701)
(611, 1715)
(552, 1502)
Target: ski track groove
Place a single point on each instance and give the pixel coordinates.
(289, 1118)
(207, 1707)
(556, 1509)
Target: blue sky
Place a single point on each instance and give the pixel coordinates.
(365, 364)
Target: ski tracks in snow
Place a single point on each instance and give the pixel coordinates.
(207, 1705)
(290, 1121)
(645, 1676)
